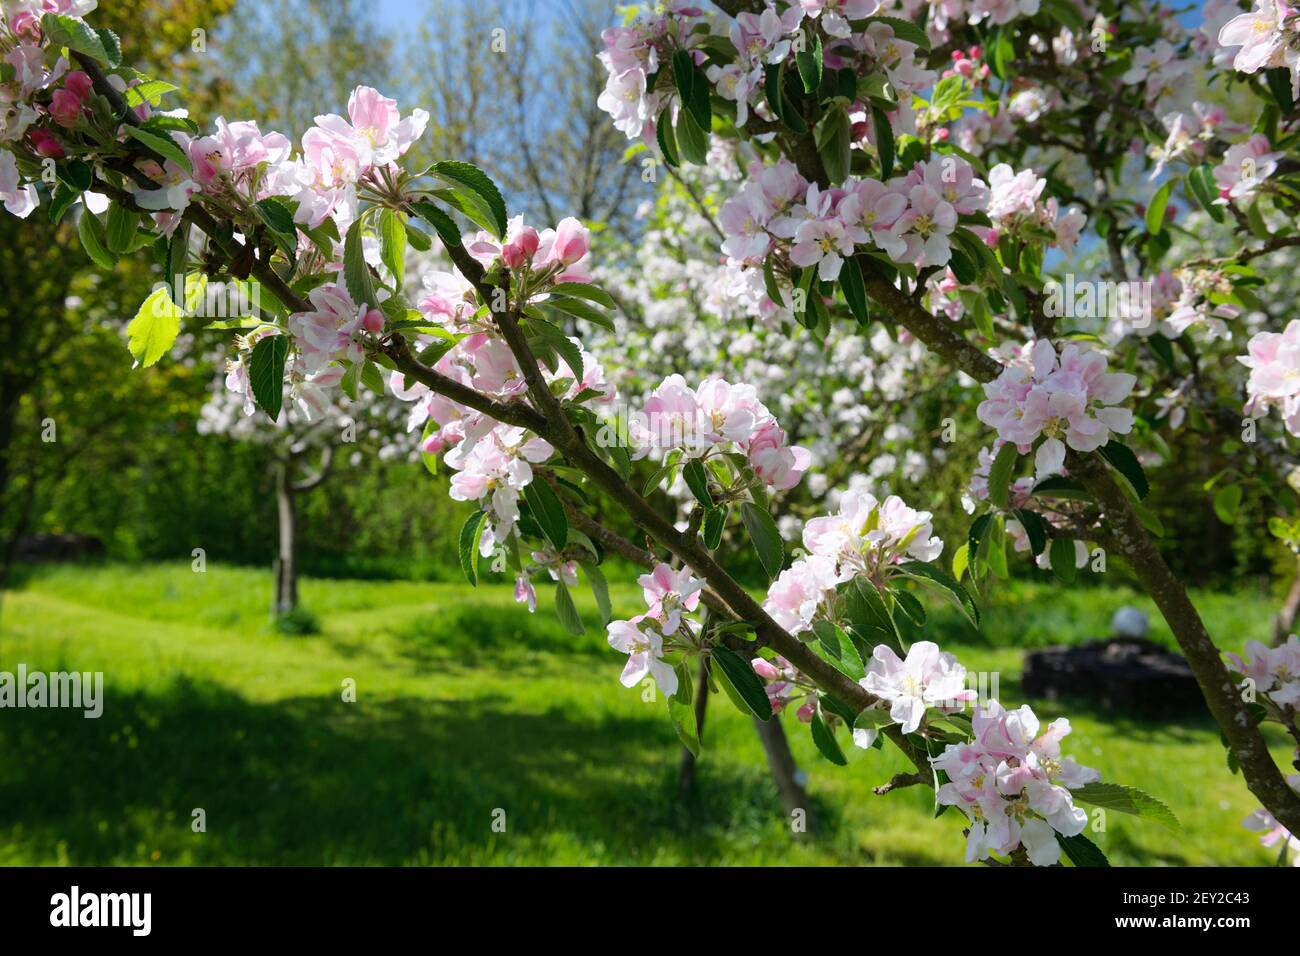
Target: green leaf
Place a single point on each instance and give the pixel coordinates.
(1127, 464)
(834, 138)
(912, 607)
(121, 228)
(164, 146)
(1279, 84)
(567, 611)
(152, 332)
(599, 589)
(442, 223)
(266, 372)
(1227, 501)
(682, 715)
(692, 139)
(855, 290)
(769, 283)
(112, 46)
(931, 574)
(150, 91)
(480, 187)
(1081, 851)
(960, 561)
(1202, 185)
(667, 141)
(356, 273)
(1035, 528)
(868, 612)
(839, 650)
(1000, 474)
(63, 31)
(1061, 557)
(548, 512)
(392, 245)
(1058, 486)
(715, 519)
(470, 534)
(740, 675)
(91, 234)
(581, 310)
(809, 63)
(693, 87)
(697, 479)
(884, 141)
(767, 539)
(1121, 799)
(584, 290)
(1155, 218)
(826, 742)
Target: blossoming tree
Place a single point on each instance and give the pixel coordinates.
(913, 165)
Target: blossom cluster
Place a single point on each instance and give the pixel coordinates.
(1274, 671)
(1265, 37)
(1067, 400)
(670, 596)
(713, 418)
(1274, 833)
(926, 678)
(1274, 382)
(1014, 784)
(866, 537)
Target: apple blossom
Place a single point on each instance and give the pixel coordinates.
(1274, 362)
(1014, 785)
(926, 678)
(1070, 400)
(644, 645)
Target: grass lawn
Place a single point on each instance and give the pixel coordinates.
(467, 706)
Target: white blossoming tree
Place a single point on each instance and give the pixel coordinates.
(915, 167)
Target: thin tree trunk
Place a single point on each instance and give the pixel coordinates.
(286, 562)
(784, 772)
(1284, 619)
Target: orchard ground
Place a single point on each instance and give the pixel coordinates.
(206, 706)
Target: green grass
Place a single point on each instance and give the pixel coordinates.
(467, 705)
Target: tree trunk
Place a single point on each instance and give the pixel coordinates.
(1284, 619)
(781, 762)
(286, 562)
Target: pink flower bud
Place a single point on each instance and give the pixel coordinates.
(44, 143)
(78, 84)
(805, 713)
(764, 669)
(65, 107)
(571, 241)
(373, 321)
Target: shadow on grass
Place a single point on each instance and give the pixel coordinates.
(472, 635)
(316, 781)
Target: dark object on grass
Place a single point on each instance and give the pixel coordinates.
(1130, 675)
(58, 547)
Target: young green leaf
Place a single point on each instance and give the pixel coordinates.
(356, 273)
(470, 534)
(548, 512)
(767, 539)
(1000, 474)
(740, 675)
(826, 742)
(266, 373)
(567, 611)
(153, 330)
